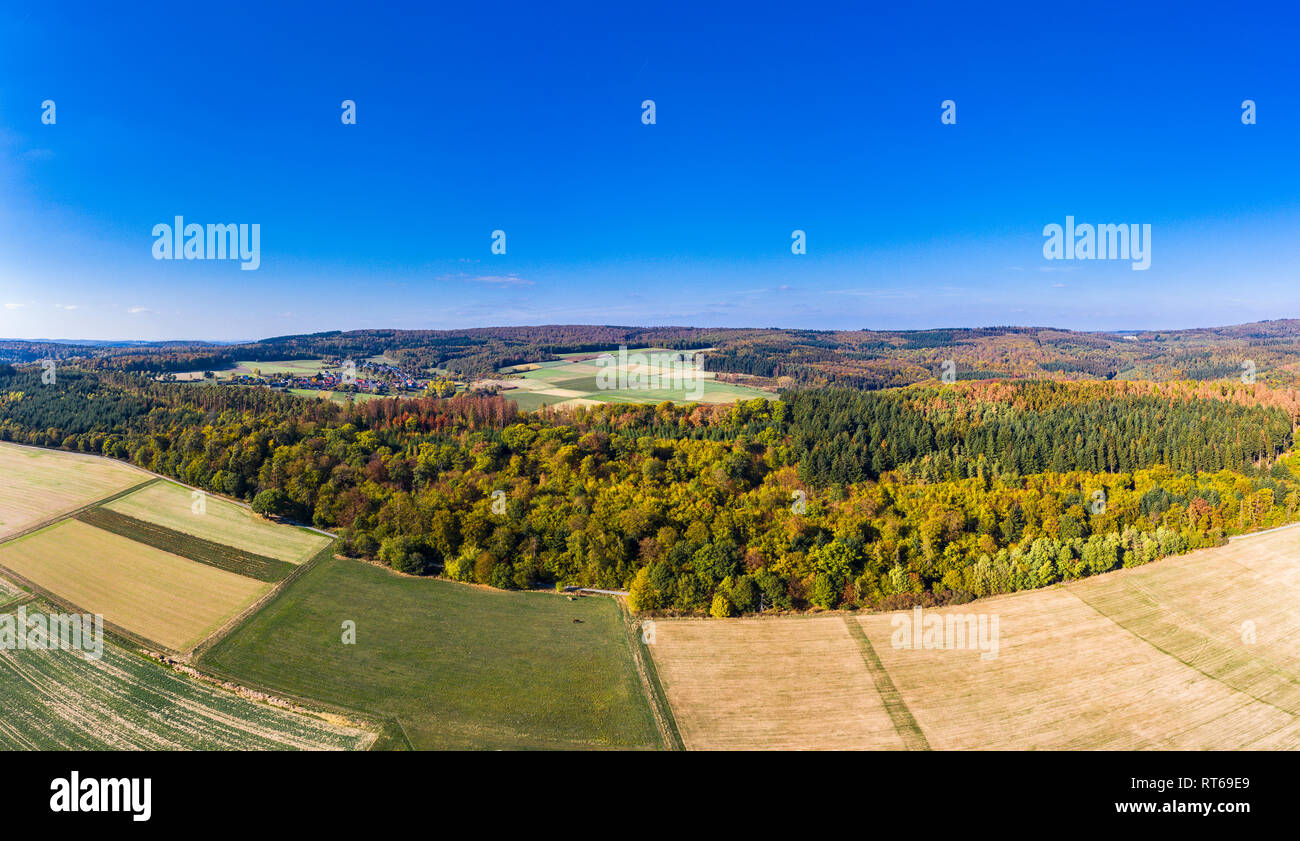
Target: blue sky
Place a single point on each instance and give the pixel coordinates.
(824, 118)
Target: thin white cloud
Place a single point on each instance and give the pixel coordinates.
(500, 280)
(510, 279)
(874, 293)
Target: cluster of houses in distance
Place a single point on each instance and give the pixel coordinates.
(340, 375)
(334, 374)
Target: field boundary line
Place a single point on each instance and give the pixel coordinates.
(113, 632)
(155, 477)
(1205, 641)
(249, 692)
(19, 601)
(651, 686)
(235, 622)
(410, 746)
(315, 706)
(904, 723)
(68, 515)
(1258, 533)
(166, 539)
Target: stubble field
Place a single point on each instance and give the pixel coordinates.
(155, 595)
(38, 484)
(1196, 652)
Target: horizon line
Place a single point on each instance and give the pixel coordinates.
(236, 342)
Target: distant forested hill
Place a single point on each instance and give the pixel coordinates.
(1267, 352)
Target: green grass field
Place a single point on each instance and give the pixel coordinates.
(59, 700)
(459, 667)
(170, 505)
(340, 397)
(301, 367)
(573, 379)
(530, 402)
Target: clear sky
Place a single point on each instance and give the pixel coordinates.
(527, 118)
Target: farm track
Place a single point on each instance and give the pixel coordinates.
(908, 730)
(650, 684)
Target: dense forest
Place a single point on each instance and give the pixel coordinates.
(827, 498)
(775, 358)
(841, 437)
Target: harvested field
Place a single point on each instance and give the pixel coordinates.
(1197, 652)
(155, 595)
(169, 505)
(38, 485)
(782, 684)
(187, 546)
(59, 700)
(1065, 677)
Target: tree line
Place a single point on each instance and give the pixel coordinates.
(722, 509)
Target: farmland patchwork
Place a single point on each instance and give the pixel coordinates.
(72, 568)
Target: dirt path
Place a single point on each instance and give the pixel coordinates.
(908, 730)
(654, 694)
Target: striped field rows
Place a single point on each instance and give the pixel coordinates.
(1195, 652)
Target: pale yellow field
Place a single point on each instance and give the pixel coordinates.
(37, 485)
(161, 597)
(168, 504)
(560, 392)
(1199, 652)
(789, 684)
